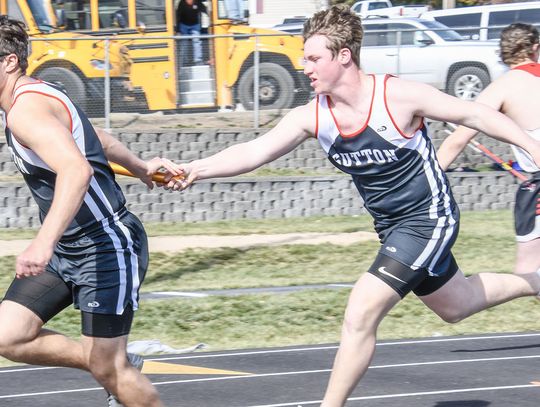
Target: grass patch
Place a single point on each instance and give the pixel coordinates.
(308, 317)
(486, 243)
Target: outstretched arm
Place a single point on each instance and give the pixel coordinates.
(455, 143)
(429, 102)
(118, 153)
(292, 130)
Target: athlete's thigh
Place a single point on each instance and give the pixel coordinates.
(527, 257)
(369, 302)
(18, 324)
(452, 295)
(45, 295)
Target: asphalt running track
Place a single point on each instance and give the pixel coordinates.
(497, 370)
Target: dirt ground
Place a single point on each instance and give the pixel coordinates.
(174, 244)
(211, 120)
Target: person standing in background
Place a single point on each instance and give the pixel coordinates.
(188, 22)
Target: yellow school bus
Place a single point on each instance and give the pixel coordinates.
(168, 80)
(77, 66)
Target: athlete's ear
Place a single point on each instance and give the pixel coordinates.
(535, 50)
(12, 62)
(344, 55)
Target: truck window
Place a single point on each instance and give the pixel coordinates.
(504, 18)
(151, 13)
(377, 5)
(407, 36)
(462, 23)
(375, 35)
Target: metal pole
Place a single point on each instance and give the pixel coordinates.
(107, 88)
(256, 84)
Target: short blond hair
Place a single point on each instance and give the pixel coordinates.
(341, 26)
(517, 43)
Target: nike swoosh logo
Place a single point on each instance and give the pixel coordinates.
(386, 273)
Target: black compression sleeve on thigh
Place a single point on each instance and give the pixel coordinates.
(397, 275)
(45, 294)
(106, 325)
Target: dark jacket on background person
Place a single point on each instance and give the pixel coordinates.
(190, 14)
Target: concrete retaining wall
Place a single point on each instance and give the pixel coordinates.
(260, 198)
(329, 193)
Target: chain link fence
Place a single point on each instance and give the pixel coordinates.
(204, 73)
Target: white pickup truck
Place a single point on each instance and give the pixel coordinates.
(385, 8)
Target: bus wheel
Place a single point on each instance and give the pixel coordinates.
(69, 82)
(276, 87)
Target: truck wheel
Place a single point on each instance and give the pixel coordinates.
(68, 81)
(467, 82)
(276, 87)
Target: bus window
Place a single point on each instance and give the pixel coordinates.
(151, 13)
(113, 13)
(76, 14)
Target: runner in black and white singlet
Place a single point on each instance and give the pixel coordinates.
(400, 181)
(371, 127)
(89, 251)
(517, 95)
(101, 226)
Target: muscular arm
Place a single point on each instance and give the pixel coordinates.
(456, 142)
(46, 132)
(292, 130)
(423, 100)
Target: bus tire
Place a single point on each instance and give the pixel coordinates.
(68, 81)
(276, 87)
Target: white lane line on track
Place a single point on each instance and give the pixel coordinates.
(253, 376)
(389, 396)
(307, 349)
(316, 348)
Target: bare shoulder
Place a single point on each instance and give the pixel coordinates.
(403, 89)
(34, 102)
(303, 118)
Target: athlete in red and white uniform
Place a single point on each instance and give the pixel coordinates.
(517, 95)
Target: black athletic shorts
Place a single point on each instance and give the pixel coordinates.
(100, 273)
(527, 210)
(403, 279)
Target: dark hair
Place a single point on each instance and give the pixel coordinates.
(14, 40)
(341, 26)
(517, 43)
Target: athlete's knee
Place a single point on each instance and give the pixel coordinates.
(14, 337)
(106, 370)
(359, 321)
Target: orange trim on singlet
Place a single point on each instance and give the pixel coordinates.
(533, 68)
(368, 117)
(44, 94)
(317, 118)
(392, 118)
